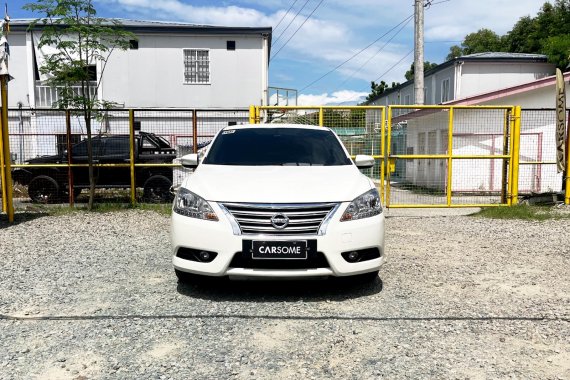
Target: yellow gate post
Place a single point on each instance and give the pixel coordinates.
(132, 154)
(382, 153)
(388, 151)
(7, 179)
(321, 117)
(449, 156)
(251, 114)
(516, 155)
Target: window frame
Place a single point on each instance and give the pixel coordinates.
(195, 62)
(448, 80)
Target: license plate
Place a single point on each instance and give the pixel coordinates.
(279, 249)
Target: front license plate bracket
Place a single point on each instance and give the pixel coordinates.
(279, 249)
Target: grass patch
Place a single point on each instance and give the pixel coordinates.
(523, 212)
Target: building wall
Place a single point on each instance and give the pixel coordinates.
(18, 66)
(432, 84)
(435, 82)
(153, 75)
(481, 77)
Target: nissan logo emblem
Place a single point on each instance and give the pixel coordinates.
(279, 221)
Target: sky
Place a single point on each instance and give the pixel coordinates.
(317, 45)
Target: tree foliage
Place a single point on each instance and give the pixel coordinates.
(427, 66)
(548, 33)
(81, 40)
(378, 89)
(483, 40)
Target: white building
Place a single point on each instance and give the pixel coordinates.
(480, 132)
(470, 75)
(170, 65)
(220, 71)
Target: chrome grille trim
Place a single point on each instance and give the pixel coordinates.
(255, 218)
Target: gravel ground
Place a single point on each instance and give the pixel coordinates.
(94, 296)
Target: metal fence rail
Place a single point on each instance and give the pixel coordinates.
(426, 156)
(538, 172)
(456, 156)
(35, 135)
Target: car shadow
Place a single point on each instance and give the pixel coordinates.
(329, 289)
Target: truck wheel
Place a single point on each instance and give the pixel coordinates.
(43, 189)
(157, 189)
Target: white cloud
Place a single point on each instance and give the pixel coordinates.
(339, 29)
(181, 11)
(345, 97)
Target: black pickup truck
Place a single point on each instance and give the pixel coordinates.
(51, 184)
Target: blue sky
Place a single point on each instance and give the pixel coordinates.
(336, 30)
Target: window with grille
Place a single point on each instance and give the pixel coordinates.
(196, 66)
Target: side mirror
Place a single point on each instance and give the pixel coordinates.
(364, 162)
(189, 161)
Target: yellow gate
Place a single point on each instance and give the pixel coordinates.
(426, 156)
(452, 156)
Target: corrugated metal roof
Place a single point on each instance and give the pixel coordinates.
(503, 55)
(157, 26)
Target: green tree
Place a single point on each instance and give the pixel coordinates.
(518, 39)
(483, 40)
(427, 66)
(378, 89)
(557, 48)
(81, 40)
(547, 33)
(454, 52)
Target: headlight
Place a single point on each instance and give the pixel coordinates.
(189, 204)
(365, 206)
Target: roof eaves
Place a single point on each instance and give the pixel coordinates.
(136, 26)
(497, 94)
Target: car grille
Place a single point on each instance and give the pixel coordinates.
(303, 219)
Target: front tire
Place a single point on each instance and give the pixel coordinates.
(43, 189)
(156, 189)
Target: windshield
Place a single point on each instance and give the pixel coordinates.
(277, 146)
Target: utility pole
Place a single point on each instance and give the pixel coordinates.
(419, 51)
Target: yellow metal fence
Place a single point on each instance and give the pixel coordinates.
(426, 156)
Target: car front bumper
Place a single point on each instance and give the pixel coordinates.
(219, 237)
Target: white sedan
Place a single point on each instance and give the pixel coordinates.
(277, 201)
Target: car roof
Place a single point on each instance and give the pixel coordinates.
(268, 125)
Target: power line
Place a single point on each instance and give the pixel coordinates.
(427, 4)
(374, 55)
(394, 65)
(285, 15)
(407, 19)
(290, 22)
(387, 71)
(306, 19)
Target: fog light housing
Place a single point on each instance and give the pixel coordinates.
(196, 255)
(361, 255)
(353, 256)
(204, 256)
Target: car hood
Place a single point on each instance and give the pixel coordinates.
(278, 184)
(45, 159)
